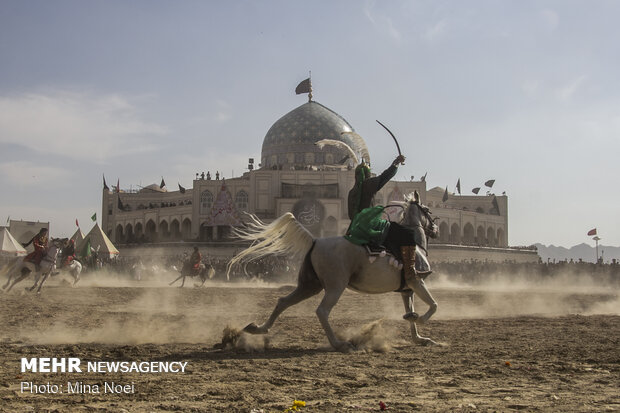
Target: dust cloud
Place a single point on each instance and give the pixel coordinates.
(370, 337)
(513, 295)
(154, 315)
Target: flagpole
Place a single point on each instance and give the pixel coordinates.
(596, 239)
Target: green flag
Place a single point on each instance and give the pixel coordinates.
(94, 217)
(87, 250)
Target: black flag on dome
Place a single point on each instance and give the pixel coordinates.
(303, 87)
(181, 189)
(476, 190)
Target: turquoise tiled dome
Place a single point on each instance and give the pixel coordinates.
(290, 142)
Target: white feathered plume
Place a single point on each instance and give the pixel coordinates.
(359, 142)
(338, 144)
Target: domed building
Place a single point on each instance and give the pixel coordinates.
(291, 143)
(297, 173)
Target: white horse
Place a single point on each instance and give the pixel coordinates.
(21, 269)
(334, 264)
(74, 269)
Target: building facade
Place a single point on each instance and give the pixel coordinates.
(294, 175)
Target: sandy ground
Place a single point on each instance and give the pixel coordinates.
(505, 348)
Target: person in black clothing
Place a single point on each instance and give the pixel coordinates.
(365, 188)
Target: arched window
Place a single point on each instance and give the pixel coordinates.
(468, 233)
(206, 202)
(500, 238)
(175, 230)
(186, 229)
(241, 201)
(491, 236)
(129, 237)
(455, 234)
(444, 232)
(119, 234)
(163, 230)
(480, 236)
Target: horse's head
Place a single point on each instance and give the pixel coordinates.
(55, 245)
(418, 215)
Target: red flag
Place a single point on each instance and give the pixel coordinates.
(76, 223)
(592, 232)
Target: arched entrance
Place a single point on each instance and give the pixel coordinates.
(455, 234)
(150, 232)
(468, 234)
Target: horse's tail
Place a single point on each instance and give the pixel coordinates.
(284, 236)
(10, 266)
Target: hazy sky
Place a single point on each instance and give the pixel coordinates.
(524, 92)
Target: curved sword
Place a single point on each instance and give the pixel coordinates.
(393, 137)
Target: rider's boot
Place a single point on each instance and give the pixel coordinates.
(408, 253)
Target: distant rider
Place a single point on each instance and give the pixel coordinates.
(39, 242)
(195, 260)
(68, 253)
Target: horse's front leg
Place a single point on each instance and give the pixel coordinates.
(176, 279)
(411, 316)
(37, 277)
(76, 276)
(419, 288)
(43, 279)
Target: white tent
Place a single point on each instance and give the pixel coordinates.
(99, 242)
(9, 247)
(78, 237)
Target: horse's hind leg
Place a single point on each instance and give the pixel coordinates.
(412, 317)
(8, 281)
(308, 285)
(296, 296)
(18, 279)
(332, 295)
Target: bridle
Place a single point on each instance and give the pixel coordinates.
(427, 214)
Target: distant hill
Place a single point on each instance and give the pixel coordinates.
(584, 251)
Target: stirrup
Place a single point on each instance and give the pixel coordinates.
(423, 274)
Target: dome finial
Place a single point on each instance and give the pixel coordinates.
(305, 86)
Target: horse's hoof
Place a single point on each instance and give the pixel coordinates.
(427, 342)
(252, 328)
(345, 347)
(413, 316)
